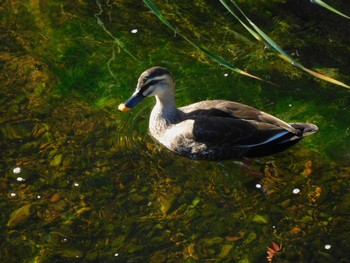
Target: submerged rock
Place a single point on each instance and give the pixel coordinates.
(167, 202)
(17, 130)
(24, 129)
(55, 198)
(225, 250)
(19, 216)
(70, 253)
(260, 219)
(57, 160)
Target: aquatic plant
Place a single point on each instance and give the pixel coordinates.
(200, 48)
(258, 34)
(273, 250)
(323, 4)
(273, 46)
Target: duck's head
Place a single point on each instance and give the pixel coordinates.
(155, 81)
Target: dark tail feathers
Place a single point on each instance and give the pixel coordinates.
(304, 128)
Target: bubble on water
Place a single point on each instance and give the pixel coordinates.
(16, 170)
(296, 191)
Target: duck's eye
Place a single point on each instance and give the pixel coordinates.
(147, 85)
(151, 83)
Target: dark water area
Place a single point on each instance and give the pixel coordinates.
(82, 182)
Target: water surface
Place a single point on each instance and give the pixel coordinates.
(82, 182)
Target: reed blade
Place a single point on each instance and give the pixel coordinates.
(323, 4)
(276, 48)
(252, 32)
(198, 47)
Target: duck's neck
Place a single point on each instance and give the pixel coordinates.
(164, 113)
(165, 102)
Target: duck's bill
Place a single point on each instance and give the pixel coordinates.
(123, 108)
(130, 103)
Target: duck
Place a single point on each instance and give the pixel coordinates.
(211, 130)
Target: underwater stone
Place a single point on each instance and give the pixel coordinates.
(250, 238)
(17, 130)
(60, 206)
(167, 202)
(29, 147)
(225, 250)
(55, 198)
(19, 216)
(260, 219)
(57, 160)
(38, 130)
(213, 240)
(209, 209)
(70, 253)
(136, 198)
(67, 162)
(3, 185)
(48, 137)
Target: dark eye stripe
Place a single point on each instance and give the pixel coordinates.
(143, 88)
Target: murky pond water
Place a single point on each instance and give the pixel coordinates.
(82, 182)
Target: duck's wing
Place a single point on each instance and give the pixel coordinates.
(234, 123)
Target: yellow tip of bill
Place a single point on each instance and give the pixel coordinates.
(123, 108)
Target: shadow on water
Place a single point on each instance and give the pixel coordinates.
(81, 182)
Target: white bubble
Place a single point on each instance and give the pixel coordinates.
(258, 186)
(134, 31)
(296, 191)
(225, 74)
(20, 179)
(76, 184)
(16, 170)
(13, 194)
(290, 105)
(39, 196)
(327, 246)
(116, 254)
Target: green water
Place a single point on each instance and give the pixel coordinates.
(82, 182)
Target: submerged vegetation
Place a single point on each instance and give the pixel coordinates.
(257, 33)
(81, 183)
